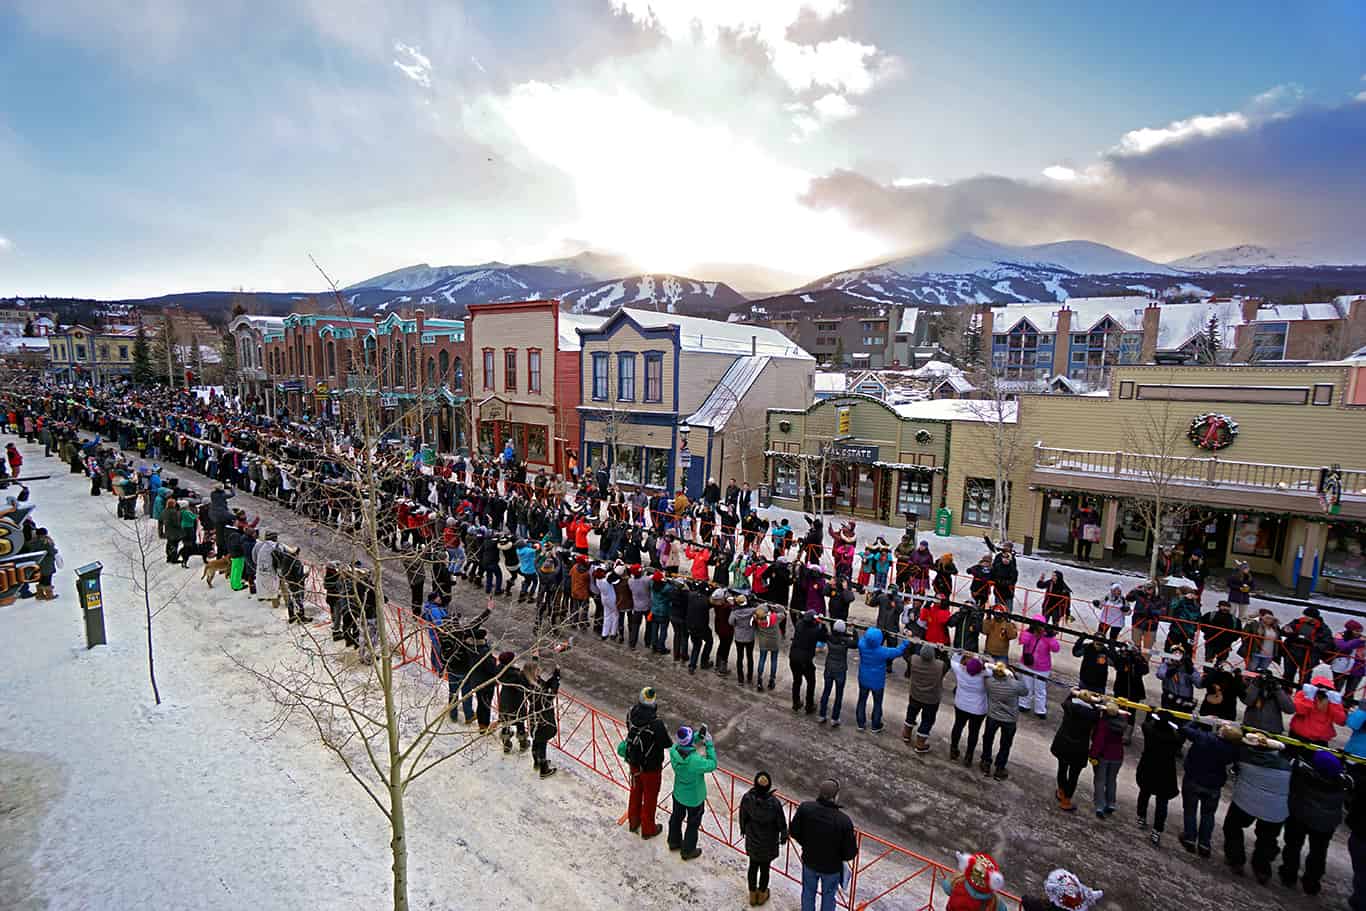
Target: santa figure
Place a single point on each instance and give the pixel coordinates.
(975, 888)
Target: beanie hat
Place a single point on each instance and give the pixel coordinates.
(1066, 891)
(927, 651)
(839, 626)
(657, 577)
(684, 736)
(648, 695)
(506, 657)
(763, 780)
(982, 872)
(1326, 763)
(973, 666)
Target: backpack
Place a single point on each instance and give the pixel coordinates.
(639, 741)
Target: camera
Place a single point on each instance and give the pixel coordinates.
(702, 732)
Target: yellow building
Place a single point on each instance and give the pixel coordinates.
(82, 354)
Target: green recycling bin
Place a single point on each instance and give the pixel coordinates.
(428, 454)
(943, 522)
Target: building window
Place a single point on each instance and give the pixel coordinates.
(654, 377)
(1323, 394)
(1258, 536)
(537, 443)
(626, 377)
(913, 494)
(786, 476)
(657, 468)
(979, 501)
(104, 352)
(600, 371)
(1268, 341)
(80, 352)
(533, 371)
(593, 456)
(123, 355)
(510, 369)
(331, 359)
(459, 375)
(1344, 556)
(488, 368)
(431, 371)
(626, 465)
(1025, 353)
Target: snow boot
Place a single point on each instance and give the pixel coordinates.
(763, 896)
(922, 743)
(689, 855)
(523, 744)
(906, 733)
(753, 897)
(547, 770)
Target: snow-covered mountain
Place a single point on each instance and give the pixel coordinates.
(599, 266)
(971, 269)
(1251, 257)
(672, 293)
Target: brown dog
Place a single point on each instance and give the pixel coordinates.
(216, 566)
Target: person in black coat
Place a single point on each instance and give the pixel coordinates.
(826, 834)
(699, 627)
(764, 825)
(544, 679)
(512, 688)
(483, 672)
(1131, 666)
(1319, 790)
(1156, 774)
(1072, 744)
(1095, 663)
(801, 659)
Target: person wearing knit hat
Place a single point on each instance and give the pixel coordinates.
(969, 705)
(763, 822)
(691, 767)
(1261, 795)
(1063, 890)
(643, 749)
(976, 886)
(512, 691)
(1319, 792)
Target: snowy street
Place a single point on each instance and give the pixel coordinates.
(223, 813)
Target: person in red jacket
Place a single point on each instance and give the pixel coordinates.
(578, 530)
(1318, 712)
(934, 616)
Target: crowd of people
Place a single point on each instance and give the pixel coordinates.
(700, 581)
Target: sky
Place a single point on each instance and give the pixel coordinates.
(154, 146)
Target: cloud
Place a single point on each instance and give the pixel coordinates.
(702, 192)
(902, 182)
(418, 67)
(1140, 141)
(838, 66)
(5, 244)
(1283, 180)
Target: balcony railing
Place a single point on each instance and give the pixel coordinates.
(1210, 471)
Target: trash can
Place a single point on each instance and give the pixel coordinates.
(92, 602)
(765, 496)
(943, 522)
(428, 454)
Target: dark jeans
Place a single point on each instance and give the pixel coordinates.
(804, 671)
(1204, 800)
(1159, 809)
(758, 875)
(1069, 773)
(1007, 732)
(832, 682)
(657, 635)
(926, 712)
(493, 578)
(1264, 849)
(723, 649)
(680, 641)
(744, 661)
(860, 707)
(633, 621)
(540, 737)
(700, 642)
(1314, 862)
(974, 726)
(679, 836)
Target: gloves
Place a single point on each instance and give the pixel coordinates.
(1094, 762)
(1309, 690)
(1335, 697)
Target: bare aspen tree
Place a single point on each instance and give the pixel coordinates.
(997, 410)
(1158, 460)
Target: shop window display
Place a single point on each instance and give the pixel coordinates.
(1345, 554)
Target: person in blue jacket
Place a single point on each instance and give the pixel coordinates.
(873, 658)
(526, 565)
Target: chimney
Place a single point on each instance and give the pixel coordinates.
(419, 316)
(1152, 321)
(1250, 307)
(1062, 342)
(753, 345)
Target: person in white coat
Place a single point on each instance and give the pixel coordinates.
(611, 616)
(1112, 613)
(267, 582)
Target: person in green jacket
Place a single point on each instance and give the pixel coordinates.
(188, 520)
(690, 788)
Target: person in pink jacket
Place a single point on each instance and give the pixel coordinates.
(1318, 712)
(1037, 644)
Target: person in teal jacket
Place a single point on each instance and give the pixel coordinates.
(657, 629)
(690, 788)
(526, 565)
(1356, 722)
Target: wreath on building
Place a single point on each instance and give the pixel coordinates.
(923, 437)
(1212, 431)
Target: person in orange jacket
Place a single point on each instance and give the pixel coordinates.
(1318, 712)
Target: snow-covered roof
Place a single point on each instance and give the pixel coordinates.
(262, 324)
(956, 410)
(959, 383)
(711, 336)
(1275, 313)
(1179, 323)
(830, 382)
(909, 317)
(17, 343)
(935, 368)
(716, 410)
(1127, 312)
(570, 323)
